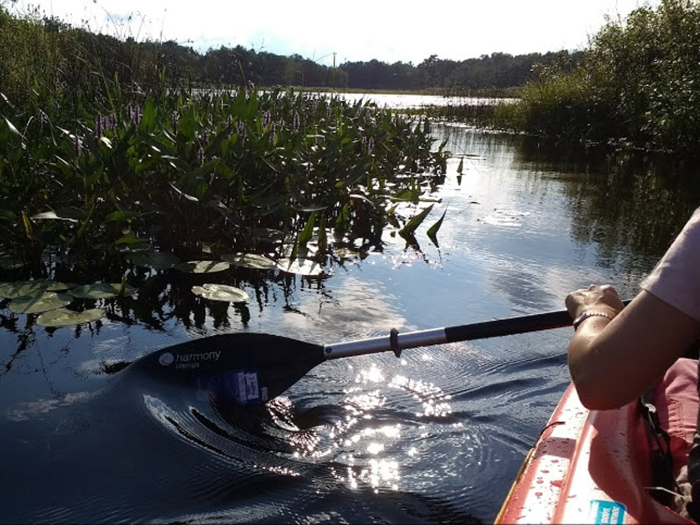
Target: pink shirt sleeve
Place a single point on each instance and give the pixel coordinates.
(676, 278)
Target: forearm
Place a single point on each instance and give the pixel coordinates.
(613, 362)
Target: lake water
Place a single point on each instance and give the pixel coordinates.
(435, 436)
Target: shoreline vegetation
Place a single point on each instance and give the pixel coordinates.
(110, 146)
(637, 87)
(107, 159)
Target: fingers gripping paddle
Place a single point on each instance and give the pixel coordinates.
(251, 369)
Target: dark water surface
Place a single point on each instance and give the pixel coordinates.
(435, 436)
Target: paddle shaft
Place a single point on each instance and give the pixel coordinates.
(397, 342)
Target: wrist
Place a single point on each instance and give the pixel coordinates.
(593, 314)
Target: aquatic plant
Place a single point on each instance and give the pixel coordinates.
(227, 166)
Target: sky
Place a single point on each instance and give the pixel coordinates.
(355, 30)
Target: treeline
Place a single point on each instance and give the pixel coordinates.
(39, 54)
(495, 71)
(638, 85)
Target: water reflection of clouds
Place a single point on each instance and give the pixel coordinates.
(356, 309)
(25, 411)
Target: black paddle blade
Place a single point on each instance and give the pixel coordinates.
(246, 368)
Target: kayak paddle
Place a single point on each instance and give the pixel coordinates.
(252, 368)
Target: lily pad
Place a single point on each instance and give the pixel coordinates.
(38, 304)
(22, 289)
(249, 260)
(305, 267)
(101, 291)
(203, 266)
(221, 292)
(60, 287)
(156, 260)
(65, 317)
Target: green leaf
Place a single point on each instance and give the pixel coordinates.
(22, 289)
(12, 128)
(307, 267)
(416, 221)
(221, 292)
(432, 231)
(203, 266)
(149, 116)
(118, 216)
(7, 215)
(40, 303)
(101, 291)
(253, 261)
(59, 287)
(308, 231)
(129, 239)
(65, 317)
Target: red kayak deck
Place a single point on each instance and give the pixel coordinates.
(587, 467)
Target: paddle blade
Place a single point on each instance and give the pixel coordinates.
(245, 369)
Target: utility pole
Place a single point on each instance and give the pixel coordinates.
(333, 75)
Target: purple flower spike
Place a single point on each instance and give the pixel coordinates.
(296, 123)
(200, 156)
(98, 126)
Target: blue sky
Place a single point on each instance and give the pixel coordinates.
(356, 30)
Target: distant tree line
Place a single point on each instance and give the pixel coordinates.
(39, 53)
(495, 71)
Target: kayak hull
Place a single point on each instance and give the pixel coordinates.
(587, 467)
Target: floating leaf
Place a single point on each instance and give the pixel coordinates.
(203, 266)
(37, 304)
(101, 291)
(22, 289)
(65, 317)
(415, 221)
(306, 267)
(157, 260)
(249, 260)
(59, 287)
(221, 292)
(432, 231)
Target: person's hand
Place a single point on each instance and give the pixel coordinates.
(598, 298)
